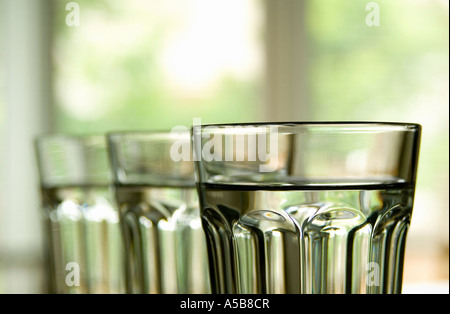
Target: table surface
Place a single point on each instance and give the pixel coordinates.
(434, 287)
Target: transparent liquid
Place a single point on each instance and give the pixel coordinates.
(164, 239)
(82, 227)
(310, 239)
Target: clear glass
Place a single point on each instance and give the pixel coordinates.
(159, 211)
(83, 245)
(306, 207)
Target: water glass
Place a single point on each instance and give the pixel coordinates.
(83, 245)
(306, 207)
(159, 213)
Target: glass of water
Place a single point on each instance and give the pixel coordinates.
(84, 252)
(159, 212)
(306, 207)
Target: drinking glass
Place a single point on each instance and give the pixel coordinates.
(159, 213)
(306, 207)
(81, 224)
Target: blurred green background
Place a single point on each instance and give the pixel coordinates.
(155, 64)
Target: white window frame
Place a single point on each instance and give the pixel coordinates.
(286, 55)
(27, 95)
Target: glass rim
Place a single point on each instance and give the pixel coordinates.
(144, 133)
(42, 137)
(406, 126)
